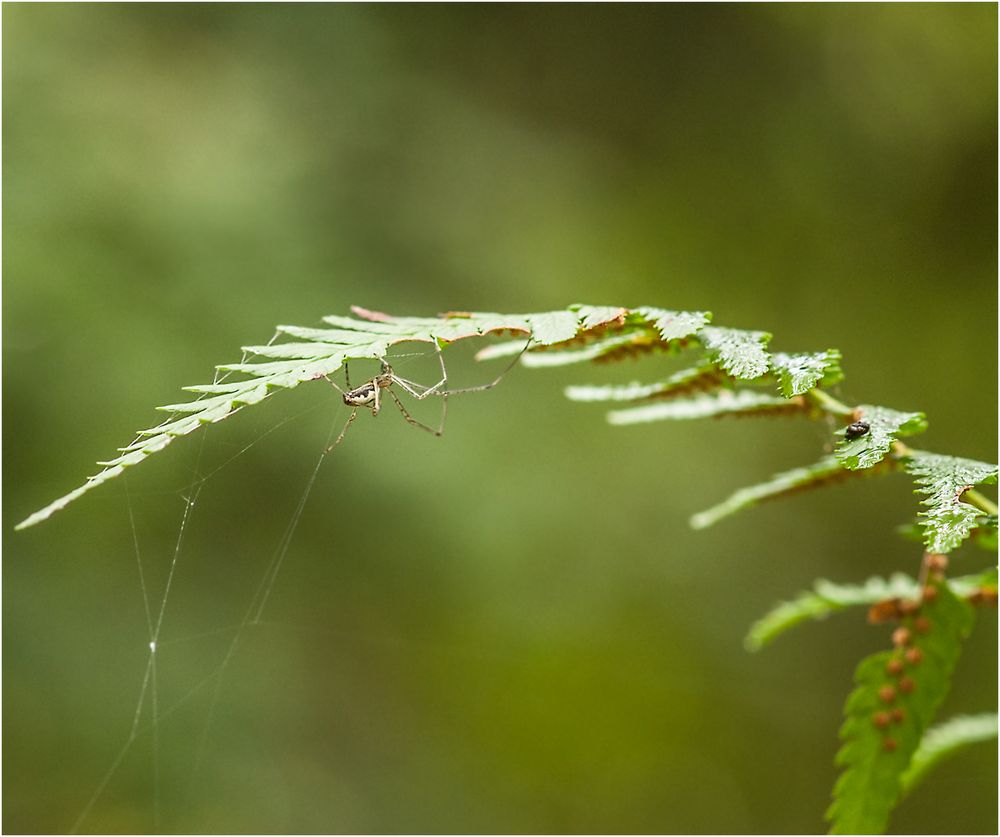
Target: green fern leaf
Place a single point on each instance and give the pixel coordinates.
(607, 330)
(642, 328)
(826, 597)
(884, 426)
(886, 715)
(827, 470)
(726, 402)
(675, 325)
(741, 353)
(943, 479)
(316, 353)
(595, 316)
(564, 357)
(697, 378)
(944, 740)
(985, 533)
(797, 374)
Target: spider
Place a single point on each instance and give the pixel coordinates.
(369, 395)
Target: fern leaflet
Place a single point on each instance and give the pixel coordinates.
(944, 740)
(895, 699)
(943, 480)
(885, 425)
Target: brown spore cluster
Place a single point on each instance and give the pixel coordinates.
(907, 654)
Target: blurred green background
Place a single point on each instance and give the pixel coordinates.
(511, 628)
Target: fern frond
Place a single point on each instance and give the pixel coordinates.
(943, 480)
(944, 740)
(985, 533)
(896, 696)
(675, 325)
(824, 472)
(884, 426)
(699, 378)
(726, 402)
(799, 373)
(592, 351)
(826, 597)
(743, 354)
(316, 353)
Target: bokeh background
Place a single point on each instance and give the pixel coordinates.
(511, 628)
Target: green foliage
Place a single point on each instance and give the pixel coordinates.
(943, 480)
(944, 740)
(797, 374)
(869, 449)
(985, 533)
(885, 717)
(828, 469)
(705, 376)
(580, 333)
(724, 402)
(743, 354)
(826, 597)
(887, 713)
(592, 351)
(675, 325)
(313, 354)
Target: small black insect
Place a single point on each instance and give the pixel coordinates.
(856, 430)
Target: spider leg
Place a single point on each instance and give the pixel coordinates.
(495, 381)
(419, 391)
(343, 431)
(347, 379)
(415, 390)
(411, 420)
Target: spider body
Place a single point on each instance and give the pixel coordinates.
(856, 430)
(369, 394)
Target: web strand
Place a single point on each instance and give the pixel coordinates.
(149, 683)
(257, 605)
(156, 617)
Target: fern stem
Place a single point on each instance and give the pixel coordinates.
(981, 502)
(829, 403)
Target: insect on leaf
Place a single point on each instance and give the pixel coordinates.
(943, 480)
(885, 425)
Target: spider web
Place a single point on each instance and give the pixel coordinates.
(150, 711)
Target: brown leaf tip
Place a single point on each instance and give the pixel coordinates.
(371, 316)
